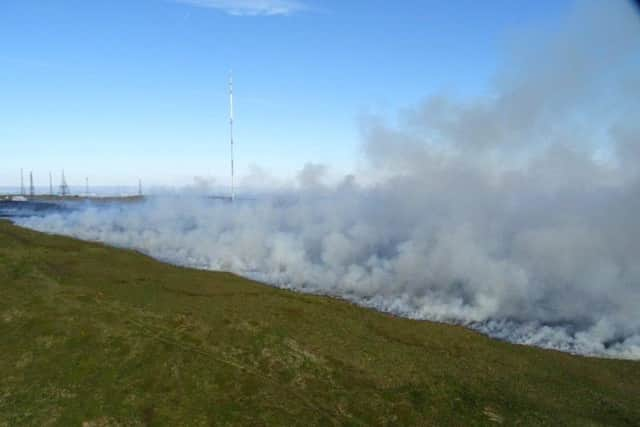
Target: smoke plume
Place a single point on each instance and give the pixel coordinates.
(517, 214)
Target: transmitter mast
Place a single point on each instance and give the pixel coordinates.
(233, 190)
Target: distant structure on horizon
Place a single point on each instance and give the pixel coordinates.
(32, 189)
(233, 190)
(64, 188)
(28, 190)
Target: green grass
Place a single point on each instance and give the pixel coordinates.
(96, 336)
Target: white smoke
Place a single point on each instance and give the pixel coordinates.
(517, 214)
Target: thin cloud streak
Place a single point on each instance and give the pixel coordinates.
(250, 7)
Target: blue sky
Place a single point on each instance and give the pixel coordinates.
(120, 89)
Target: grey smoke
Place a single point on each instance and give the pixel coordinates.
(517, 214)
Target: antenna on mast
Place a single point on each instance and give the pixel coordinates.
(233, 190)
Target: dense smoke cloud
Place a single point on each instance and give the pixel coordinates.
(517, 214)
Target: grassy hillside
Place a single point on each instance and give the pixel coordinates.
(96, 336)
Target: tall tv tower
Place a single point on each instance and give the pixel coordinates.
(233, 190)
(50, 184)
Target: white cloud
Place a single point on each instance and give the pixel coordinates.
(250, 7)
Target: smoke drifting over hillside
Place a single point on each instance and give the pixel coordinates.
(517, 214)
